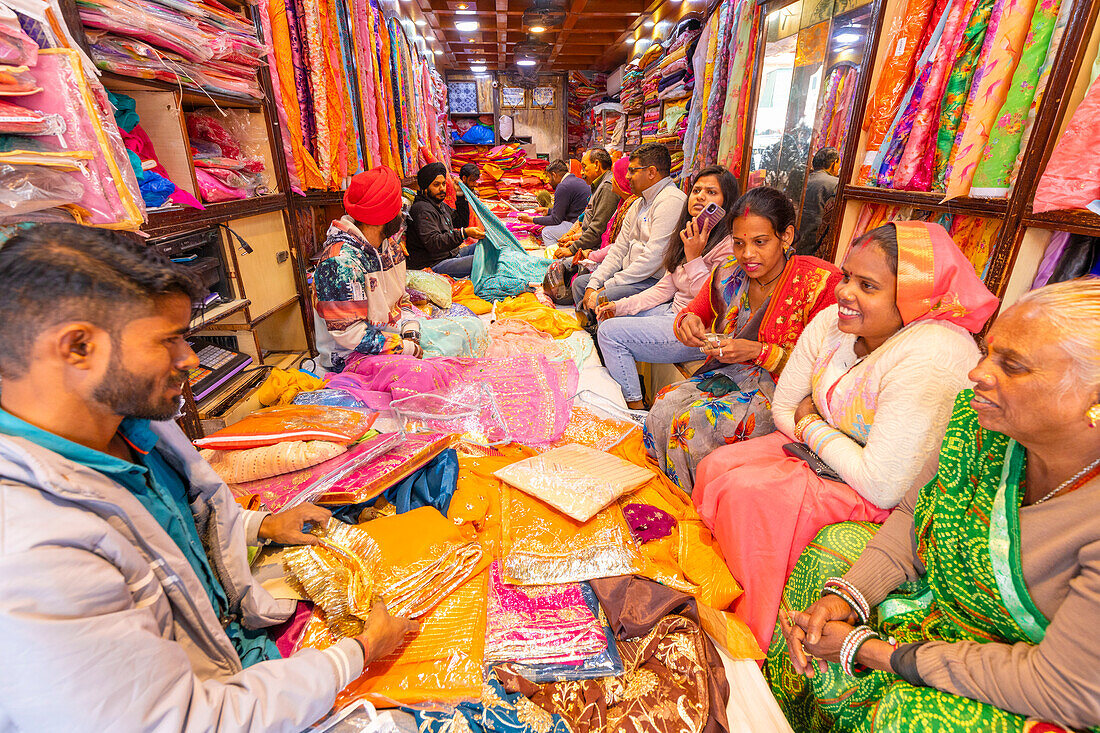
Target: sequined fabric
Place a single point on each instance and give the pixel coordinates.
(411, 560)
(540, 624)
(543, 546)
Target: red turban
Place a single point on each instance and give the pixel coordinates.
(374, 197)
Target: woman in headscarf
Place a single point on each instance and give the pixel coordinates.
(621, 186)
(867, 391)
(754, 304)
(987, 576)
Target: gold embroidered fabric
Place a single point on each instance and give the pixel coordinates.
(411, 560)
(543, 546)
(663, 690)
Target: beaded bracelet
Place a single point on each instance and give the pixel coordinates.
(846, 591)
(803, 424)
(851, 645)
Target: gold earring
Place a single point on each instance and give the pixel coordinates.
(1093, 414)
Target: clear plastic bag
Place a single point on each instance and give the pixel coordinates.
(469, 409)
(27, 188)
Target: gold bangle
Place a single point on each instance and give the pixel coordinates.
(803, 424)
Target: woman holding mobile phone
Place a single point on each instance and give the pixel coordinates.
(697, 245)
(746, 318)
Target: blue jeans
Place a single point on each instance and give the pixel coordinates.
(648, 337)
(613, 292)
(459, 266)
(551, 234)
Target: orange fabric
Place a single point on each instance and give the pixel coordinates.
(462, 292)
(936, 281)
(291, 422)
(442, 663)
(308, 171)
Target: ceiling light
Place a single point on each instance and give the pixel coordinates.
(477, 69)
(648, 23)
(463, 6)
(526, 62)
(421, 22)
(437, 51)
(537, 29)
(466, 25)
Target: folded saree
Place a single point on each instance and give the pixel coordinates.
(290, 489)
(575, 480)
(411, 560)
(291, 422)
(443, 663)
(375, 477)
(536, 624)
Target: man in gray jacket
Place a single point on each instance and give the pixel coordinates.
(126, 600)
(585, 235)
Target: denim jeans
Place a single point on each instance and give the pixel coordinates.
(613, 292)
(551, 234)
(459, 266)
(648, 337)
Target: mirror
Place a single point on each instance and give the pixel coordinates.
(814, 51)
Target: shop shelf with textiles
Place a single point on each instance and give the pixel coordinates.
(983, 154)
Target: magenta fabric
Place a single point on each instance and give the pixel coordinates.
(287, 633)
(648, 523)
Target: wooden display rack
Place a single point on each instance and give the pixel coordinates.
(270, 316)
(1019, 245)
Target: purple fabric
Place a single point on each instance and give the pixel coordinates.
(648, 523)
(1053, 254)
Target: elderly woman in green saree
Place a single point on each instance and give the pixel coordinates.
(975, 606)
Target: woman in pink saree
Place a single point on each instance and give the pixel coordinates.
(868, 390)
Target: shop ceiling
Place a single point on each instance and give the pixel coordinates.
(587, 35)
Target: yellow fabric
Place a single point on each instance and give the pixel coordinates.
(253, 464)
(549, 320)
(462, 293)
(281, 387)
(689, 559)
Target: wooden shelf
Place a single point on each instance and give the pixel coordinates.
(207, 319)
(926, 200)
(286, 303)
(169, 220)
(1075, 221)
(192, 96)
(321, 198)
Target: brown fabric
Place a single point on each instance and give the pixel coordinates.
(673, 681)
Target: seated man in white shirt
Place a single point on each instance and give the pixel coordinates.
(633, 261)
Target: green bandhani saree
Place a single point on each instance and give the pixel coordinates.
(967, 527)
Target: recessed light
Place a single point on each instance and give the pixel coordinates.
(537, 29)
(477, 69)
(421, 22)
(526, 62)
(466, 25)
(648, 23)
(437, 51)
(463, 6)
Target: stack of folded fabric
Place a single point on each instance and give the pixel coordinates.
(631, 94)
(284, 455)
(200, 43)
(548, 624)
(224, 169)
(582, 90)
(634, 130)
(650, 123)
(507, 174)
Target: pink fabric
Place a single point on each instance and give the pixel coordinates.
(287, 633)
(680, 286)
(1072, 176)
(951, 291)
(534, 395)
(513, 337)
(550, 623)
(766, 519)
(619, 171)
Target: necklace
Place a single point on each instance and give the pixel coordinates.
(1077, 480)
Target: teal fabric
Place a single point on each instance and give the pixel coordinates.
(502, 267)
(163, 493)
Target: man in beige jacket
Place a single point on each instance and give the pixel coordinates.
(126, 601)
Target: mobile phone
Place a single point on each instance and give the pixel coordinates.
(709, 217)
